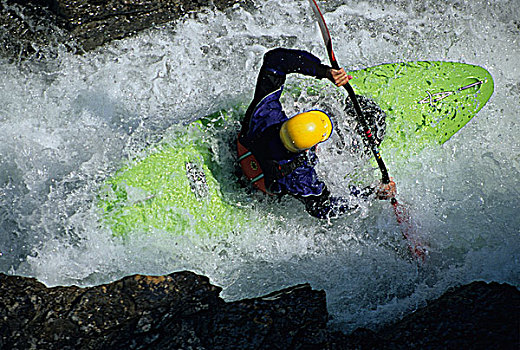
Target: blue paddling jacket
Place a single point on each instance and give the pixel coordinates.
(286, 172)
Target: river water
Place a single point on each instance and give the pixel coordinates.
(68, 122)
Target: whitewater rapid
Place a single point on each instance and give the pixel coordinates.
(68, 122)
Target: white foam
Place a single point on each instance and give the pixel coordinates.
(69, 123)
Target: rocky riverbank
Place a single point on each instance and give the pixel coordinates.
(184, 311)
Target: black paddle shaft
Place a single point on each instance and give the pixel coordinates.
(366, 129)
(361, 119)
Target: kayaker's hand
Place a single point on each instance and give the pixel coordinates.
(338, 76)
(387, 191)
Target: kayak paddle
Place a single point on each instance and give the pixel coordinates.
(401, 213)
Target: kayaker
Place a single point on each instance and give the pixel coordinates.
(277, 153)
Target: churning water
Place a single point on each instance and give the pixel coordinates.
(68, 122)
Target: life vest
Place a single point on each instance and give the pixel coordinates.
(253, 172)
(251, 167)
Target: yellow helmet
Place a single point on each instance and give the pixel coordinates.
(305, 130)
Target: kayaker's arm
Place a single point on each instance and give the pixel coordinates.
(280, 62)
(329, 206)
(283, 61)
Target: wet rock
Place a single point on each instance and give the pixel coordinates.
(474, 316)
(27, 26)
(184, 311)
(178, 311)
(94, 23)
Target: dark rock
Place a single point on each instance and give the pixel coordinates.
(474, 316)
(94, 23)
(178, 311)
(184, 311)
(27, 26)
